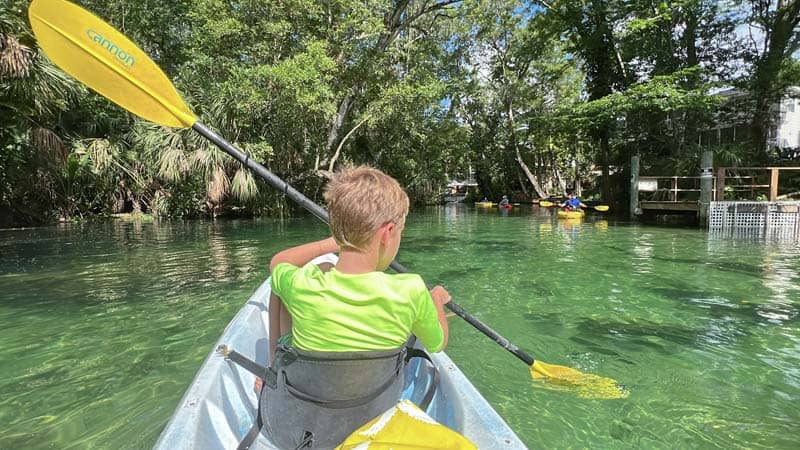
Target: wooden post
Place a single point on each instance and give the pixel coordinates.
(634, 204)
(773, 184)
(720, 184)
(675, 189)
(706, 185)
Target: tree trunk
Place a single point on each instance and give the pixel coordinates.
(531, 177)
(338, 121)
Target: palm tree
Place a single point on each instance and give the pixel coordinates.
(32, 94)
(182, 155)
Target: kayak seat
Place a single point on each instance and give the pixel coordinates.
(316, 399)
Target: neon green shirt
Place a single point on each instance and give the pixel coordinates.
(334, 311)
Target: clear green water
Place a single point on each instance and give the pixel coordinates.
(104, 326)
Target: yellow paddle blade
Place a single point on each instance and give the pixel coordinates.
(601, 207)
(585, 385)
(546, 204)
(103, 59)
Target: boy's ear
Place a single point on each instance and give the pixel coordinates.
(384, 231)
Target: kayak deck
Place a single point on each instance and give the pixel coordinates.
(220, 405)
(570, 214)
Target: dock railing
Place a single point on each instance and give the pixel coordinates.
(728, 183)
(670, 189)
(750, 183)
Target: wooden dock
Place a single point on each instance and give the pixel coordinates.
(669, 207)
(683, 195)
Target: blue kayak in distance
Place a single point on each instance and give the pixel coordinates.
(220, 406)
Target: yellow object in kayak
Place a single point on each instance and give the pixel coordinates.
(405, 426)
(570, 214)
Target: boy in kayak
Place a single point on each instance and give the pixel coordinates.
(354, 308)
(572, 203)
(367, 215)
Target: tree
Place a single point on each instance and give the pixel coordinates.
(771, 47)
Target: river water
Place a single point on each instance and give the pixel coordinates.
(104, 325)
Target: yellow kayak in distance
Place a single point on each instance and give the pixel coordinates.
(484, 204)
(570, 214)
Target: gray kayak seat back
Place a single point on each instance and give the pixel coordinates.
(317, 399)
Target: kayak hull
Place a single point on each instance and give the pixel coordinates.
(570, 214)
(484, 204)
(220, 405)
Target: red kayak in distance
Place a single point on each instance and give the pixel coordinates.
(506, 206)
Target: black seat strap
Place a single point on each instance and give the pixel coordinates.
(260, 372)
(251, 435)
(243, 361)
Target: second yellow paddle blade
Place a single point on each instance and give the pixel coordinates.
(585, 385)
(103, 59)
(601, 208)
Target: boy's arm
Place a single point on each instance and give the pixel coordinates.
(275, 306)
(300, 255)
(440, 298)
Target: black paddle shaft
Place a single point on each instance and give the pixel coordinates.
(320, 212)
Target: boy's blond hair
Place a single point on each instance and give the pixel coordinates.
(360, 200)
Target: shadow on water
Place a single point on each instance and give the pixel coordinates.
(635, 333)
(718, 305)
(721, 265)
(429, 244)
(601, 336)
(502, 245)
(454, 275)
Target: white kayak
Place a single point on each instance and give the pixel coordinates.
(220, 406)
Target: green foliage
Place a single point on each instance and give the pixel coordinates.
(530, 96)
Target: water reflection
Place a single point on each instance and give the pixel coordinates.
(643, 252)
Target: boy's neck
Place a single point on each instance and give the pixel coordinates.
(356, 262)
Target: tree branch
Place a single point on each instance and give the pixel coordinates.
(339, 148)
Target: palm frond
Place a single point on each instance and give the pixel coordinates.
(172, 164)
(15, 59)
(45, 91)
(244, 186)
(159, 206)
(206, 160)
(49, 146)
(218, 186)
(103, 154)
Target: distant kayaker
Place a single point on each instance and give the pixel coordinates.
(572, 203)
(352, 309)
(485, 200)
(504, 201)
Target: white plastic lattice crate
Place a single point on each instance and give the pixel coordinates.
(749, 218)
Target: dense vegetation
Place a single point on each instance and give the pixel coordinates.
(531, 95)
